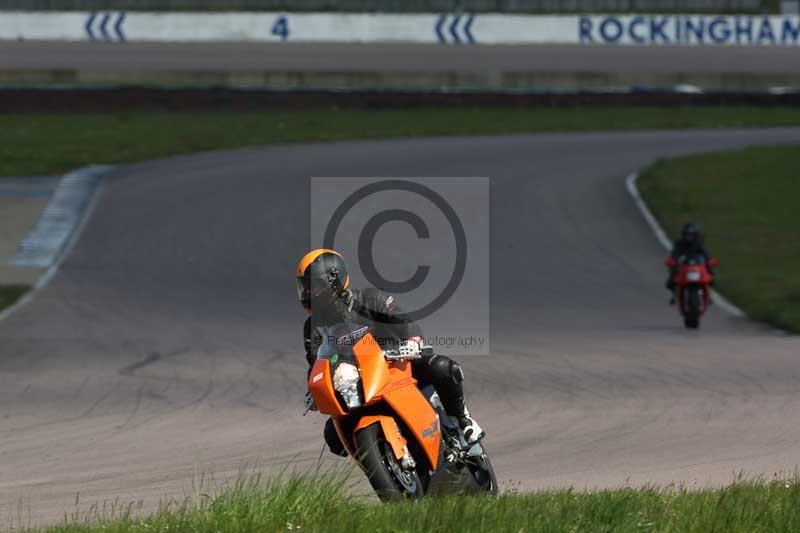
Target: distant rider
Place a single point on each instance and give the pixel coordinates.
(690, 244)
(323, 286)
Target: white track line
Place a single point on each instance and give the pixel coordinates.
(661, 235)
(79, 189)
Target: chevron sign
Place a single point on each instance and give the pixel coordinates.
(455, 29)
(105, 27)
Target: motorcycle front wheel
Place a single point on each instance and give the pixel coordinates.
(387, 476)
(692, 317)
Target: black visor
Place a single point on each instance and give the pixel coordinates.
(311, 288)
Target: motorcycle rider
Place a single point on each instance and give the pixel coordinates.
(689, 244)
(323, 287)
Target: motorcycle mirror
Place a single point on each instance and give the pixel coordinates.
(670, 262)
(713, 262)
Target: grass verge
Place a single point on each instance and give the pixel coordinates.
(746, 204)
(9, 294)
(325, 504)
(49, 143)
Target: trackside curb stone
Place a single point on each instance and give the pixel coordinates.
(59, 226)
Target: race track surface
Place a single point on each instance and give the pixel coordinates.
(382, 57)
(169, 343)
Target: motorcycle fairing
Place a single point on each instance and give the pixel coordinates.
(390, 431)
(417, 413)
(320, 384)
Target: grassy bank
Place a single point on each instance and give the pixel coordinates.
(746, 203)
(40, 144)
(326, 505)
(9, 294)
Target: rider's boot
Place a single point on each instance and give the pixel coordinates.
(455, 407)
(447, 378)
(472, 431)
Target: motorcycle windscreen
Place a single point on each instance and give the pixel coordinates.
(338, 340)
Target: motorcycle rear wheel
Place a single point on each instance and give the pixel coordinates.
(482, 474)
(388, 478)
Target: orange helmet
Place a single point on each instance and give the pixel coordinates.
(321, 275)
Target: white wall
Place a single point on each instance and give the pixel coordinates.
(632, 30)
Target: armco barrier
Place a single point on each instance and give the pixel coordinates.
(446, 28)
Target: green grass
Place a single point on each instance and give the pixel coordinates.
(9, 294)
(746, 202)
(40, 144)
(309, 504)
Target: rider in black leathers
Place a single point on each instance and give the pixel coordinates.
(323, 289)
(690, 244)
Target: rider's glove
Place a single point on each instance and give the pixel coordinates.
(411, 346)
(309, 401)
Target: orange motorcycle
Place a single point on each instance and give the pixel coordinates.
(399, 435)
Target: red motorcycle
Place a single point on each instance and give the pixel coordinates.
(692, 286)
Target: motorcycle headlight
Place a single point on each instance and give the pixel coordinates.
(345, 381)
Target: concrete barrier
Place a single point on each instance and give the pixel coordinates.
(456, 28)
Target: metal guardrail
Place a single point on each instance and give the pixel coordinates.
(405, 6)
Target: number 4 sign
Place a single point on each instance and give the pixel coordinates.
(281, 28)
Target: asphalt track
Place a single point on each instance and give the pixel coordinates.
(382, 57)
(169, 343)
